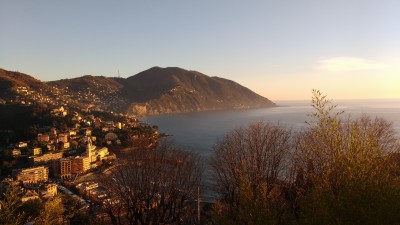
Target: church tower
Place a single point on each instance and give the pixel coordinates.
(89, 148)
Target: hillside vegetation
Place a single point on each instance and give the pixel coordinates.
(151, 92)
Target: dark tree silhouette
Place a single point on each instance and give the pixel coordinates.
(152, 187)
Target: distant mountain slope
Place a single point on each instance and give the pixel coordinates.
(10, 80)
(88, 82)
(94, 93)
(151, 92)
(171, 90)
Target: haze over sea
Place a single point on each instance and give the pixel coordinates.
(199, 131)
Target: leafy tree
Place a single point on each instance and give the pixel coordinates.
(32, 209)
(51, 213)
(345, 175)
(10, 204)
(71, 207)
(14, 212)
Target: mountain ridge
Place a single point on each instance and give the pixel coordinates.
(151, 92)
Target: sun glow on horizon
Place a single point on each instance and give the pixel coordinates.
(339, 78)
(342, 64)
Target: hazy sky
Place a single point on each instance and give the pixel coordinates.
(349, 49)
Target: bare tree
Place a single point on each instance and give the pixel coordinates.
(247, 163)
(152, 187)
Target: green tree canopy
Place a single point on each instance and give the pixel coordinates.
(346, 175)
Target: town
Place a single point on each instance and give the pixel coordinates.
(98, 97)
(69, 147)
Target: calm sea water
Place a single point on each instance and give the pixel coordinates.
(200, 131)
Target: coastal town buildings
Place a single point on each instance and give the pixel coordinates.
(80, 164)
(94, 153)
(16, 152)
(43, 137)
(62, 137)
(64, 145)
(29, 195)
(48, 190)
(31, 175)
(37, 151)
(46, 158)
(22, 144)
(63, 168)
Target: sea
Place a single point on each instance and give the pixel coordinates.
(199, 131)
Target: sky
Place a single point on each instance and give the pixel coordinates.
(348, 49)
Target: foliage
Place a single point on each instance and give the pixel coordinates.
(10, 203)
(20, 122)
(14, 212)
(52, 213)
(71, 206)
(346, 174)
(343, 171)
(32, 208)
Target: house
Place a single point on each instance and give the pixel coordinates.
(22, 144)
(101, 153)
(76, 118)
(37, 151)
(119, 125)
(87, 186)
(109, 123)
(63, 168)
(59, 111)
(46, 158)
(62, 137)
(87, 132)
(51, 147)
(31, 175)
(80, 164)
(48, 190)
(29, 195)
(72, 133)
(94, 153)
(16, 152)
(43, 138)
(22, 89)
(66, 145)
